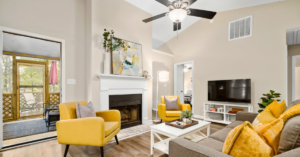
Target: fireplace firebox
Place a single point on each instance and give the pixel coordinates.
(130, 107)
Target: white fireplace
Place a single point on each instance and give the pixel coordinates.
(123, 85)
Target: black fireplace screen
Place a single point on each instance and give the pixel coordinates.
(130, 107)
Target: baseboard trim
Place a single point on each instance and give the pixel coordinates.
(198, 116)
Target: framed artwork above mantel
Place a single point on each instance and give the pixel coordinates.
(127, 59)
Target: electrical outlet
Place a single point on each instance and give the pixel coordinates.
(71, 81)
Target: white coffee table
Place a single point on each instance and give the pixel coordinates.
(172, 132)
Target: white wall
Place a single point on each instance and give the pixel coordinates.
(297, 83)
(262, 57)
(59, 19)
(162, 62)
(126, 21)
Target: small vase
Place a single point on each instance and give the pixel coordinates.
(107, 65)
(185, 120)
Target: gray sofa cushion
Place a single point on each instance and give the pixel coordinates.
(221, 135)
(245, 116)
(289, 138)
(212, 143)
(234, 124)
(181, 147)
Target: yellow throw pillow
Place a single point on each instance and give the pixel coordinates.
(264, 117)
(244, 141)
(277, 109)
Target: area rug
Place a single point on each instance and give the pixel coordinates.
(25, 128)
(132, 131)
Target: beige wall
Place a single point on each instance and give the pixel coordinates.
(187, 79)
(293, 50)
(162, 62)
(261, 57)
(59, 19)
(126, 21)
(297, 83)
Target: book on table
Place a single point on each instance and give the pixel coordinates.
(194, 137)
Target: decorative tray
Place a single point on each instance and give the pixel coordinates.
(182, 126)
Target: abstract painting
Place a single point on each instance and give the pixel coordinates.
(127, 59)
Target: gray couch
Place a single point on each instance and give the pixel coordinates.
(213, 145)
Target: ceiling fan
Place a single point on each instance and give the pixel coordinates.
(178, 11)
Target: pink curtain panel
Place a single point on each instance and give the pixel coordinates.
(53, 77)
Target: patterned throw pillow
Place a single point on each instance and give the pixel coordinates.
(171, 104)
(85, 111)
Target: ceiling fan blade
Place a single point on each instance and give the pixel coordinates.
(176, 26)
(164, 2)
(202, 13)
(154, 17)
(190, 2)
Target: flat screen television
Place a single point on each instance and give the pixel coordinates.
(230, 90)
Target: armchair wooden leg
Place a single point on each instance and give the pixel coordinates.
(101, 151)
(66, 150)
(116, 139)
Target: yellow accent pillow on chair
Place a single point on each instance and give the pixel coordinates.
(244, 141)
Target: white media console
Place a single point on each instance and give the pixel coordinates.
(222, 117)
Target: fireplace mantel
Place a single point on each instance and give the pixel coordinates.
(123, 85)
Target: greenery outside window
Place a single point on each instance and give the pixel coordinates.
(7, 73)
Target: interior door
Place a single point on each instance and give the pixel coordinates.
(30, 90)
(180, 80)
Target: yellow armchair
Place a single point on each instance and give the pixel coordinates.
(168, 115)
(92, 131)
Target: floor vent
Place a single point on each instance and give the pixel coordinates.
(240, 28)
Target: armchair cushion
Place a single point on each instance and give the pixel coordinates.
(85, 111)
(171, 103)
(110, 127)
(173, 113)
(83, 131)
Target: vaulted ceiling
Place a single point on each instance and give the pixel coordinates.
(162, 30)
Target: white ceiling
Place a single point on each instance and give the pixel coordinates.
(293, 36)
(32, 46)
(162, 30)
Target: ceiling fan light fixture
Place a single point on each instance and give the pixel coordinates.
(177, 15)
(184, 5)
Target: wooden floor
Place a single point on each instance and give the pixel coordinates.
(137, 146)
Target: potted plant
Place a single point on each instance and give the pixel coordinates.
(110, 46)
(268, 99)
(186, 116)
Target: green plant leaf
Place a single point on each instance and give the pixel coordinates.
(265, 104)
(270, 101)
(260, 111)
(261, 105)
(272, 92)
(264, 99)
